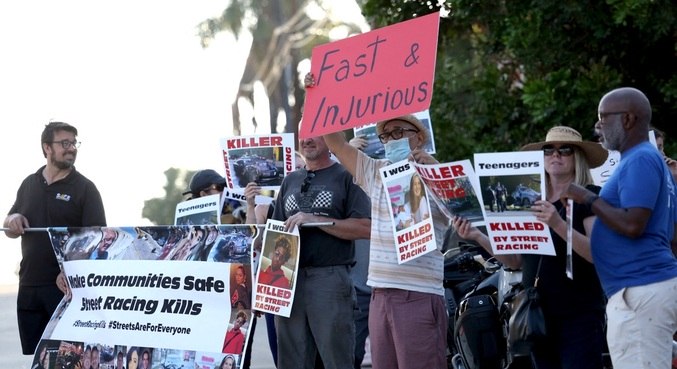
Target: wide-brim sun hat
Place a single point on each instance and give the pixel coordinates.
(409, 118)
(595, 154)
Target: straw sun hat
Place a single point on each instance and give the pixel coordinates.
(595, 154)
(409, 118)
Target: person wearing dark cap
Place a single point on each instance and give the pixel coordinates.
(632, 237)
(204, 183)
(208, 182)
(56, 195)
(573, 308)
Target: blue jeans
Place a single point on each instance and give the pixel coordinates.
(321, 321)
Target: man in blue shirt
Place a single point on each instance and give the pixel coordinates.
(632, 236)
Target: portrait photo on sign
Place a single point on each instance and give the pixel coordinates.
(240, 286)
(234, 341)
(408, 201)
(278, 260)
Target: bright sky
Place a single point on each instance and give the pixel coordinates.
(131, 76)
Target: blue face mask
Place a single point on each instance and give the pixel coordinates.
(397, 150)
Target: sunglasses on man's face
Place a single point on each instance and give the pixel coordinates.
(564, 150)
(306, 181)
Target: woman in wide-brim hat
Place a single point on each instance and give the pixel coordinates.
(573, 308)
(594, 154)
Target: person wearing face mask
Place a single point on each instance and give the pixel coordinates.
(407, 302)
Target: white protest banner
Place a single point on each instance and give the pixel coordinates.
(410, 211)
(264, 159)
(455, 188)
(278, 267)
(151, 295)
(511, 182)
(201, 210)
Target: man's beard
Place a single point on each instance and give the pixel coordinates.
(613, 138)
(61, 164)
(313, 155)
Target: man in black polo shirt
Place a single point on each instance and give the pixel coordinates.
(55, 196)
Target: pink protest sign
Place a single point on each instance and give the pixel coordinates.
(370, 77)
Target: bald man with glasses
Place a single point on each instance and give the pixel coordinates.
(632, 236)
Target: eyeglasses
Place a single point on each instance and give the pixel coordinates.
(564, 150)
(66, 143)
(395, 134)
(602, 116)
(306, 181)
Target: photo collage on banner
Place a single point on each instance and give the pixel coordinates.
(169, 296)
(510, 183)
(277, 270)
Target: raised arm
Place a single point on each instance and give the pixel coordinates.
(344, 152)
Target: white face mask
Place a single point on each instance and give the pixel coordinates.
(397, 150)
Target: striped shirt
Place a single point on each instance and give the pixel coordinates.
(422, 274)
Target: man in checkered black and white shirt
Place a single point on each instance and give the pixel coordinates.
(321, 321)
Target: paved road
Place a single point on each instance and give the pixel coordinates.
(10, 348)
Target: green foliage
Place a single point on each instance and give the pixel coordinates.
(507, 71)
(161, 210)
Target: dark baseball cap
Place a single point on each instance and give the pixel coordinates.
(203, 179)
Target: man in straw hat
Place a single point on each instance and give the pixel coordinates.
(407, 304)
(632, 236)
(573, 308)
